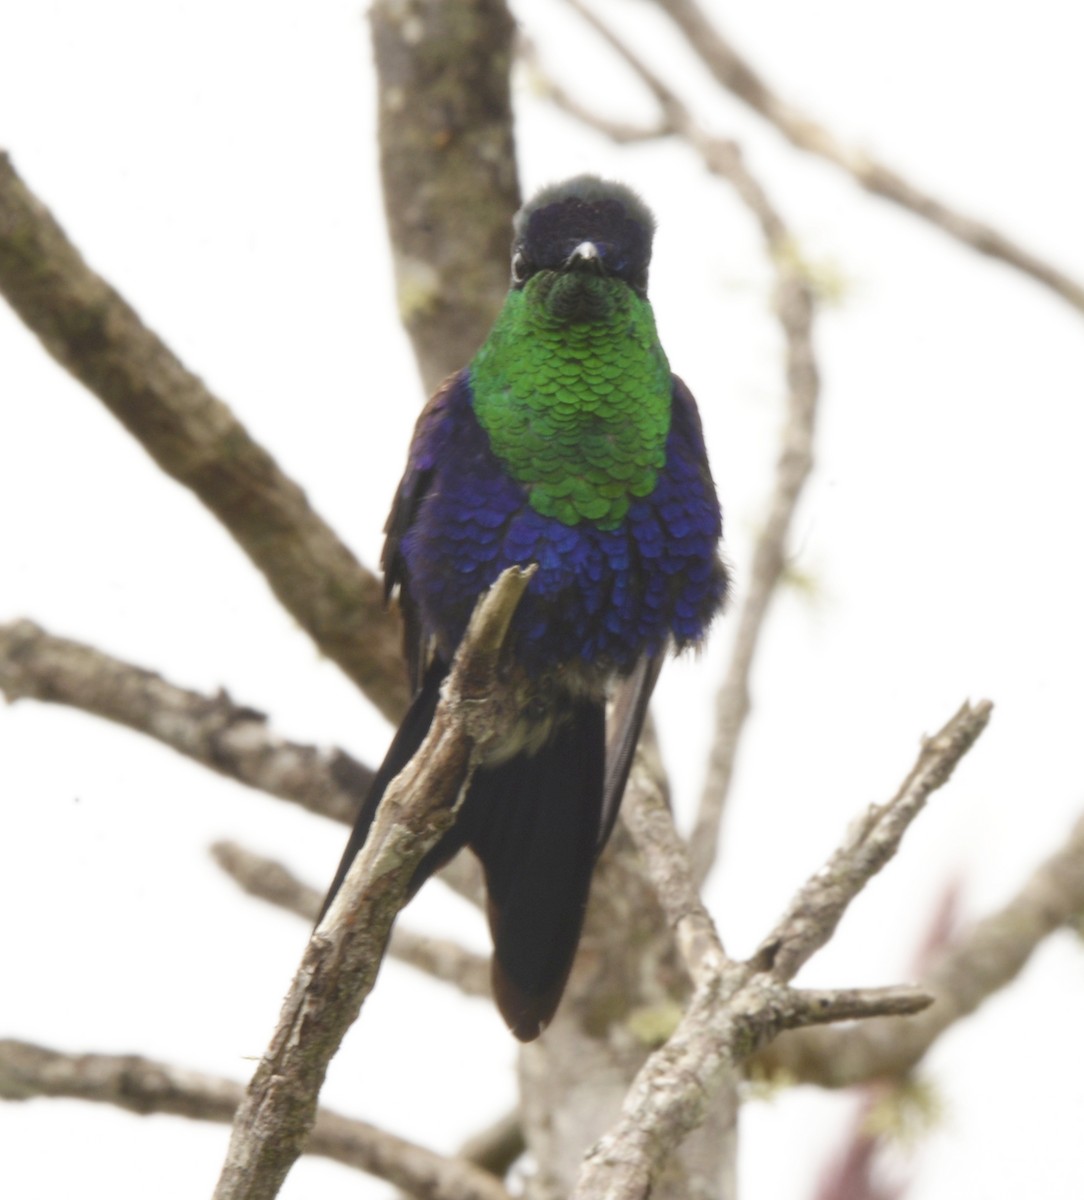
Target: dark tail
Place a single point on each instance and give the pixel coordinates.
(534, 824)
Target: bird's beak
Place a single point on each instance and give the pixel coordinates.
(585, 255)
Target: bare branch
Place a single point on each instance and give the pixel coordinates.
(215, 731)
(738, 1007)
(496, 1149)
(226, 737)
(737, 75)
(92, 332)
(984, 960)
(795, 306)
(617, 131)
(272, 881)
(822, 1006)
(341, 961)
(646, 815)
(816, 910)
(267, 880)
(144, 1086)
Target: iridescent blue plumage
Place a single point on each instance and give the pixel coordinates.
(601, 598)
(566, 443)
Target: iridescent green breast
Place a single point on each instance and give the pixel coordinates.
(573, 390)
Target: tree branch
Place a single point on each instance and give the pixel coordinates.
(268, 880)
(738, 76)
(341, 961)
(646, 814)
(496, 1148)
(620, 132)
(795, 307)
(226, 737)
(817, 909)
(738, 1007)
(92, 332)
(981, 962)
(272, 881)
(214, 731)
(144, 1086)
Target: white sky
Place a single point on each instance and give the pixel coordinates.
(216, 162)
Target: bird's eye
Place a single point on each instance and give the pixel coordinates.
(520, 267)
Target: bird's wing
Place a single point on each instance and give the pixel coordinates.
(424, 451)
(633, 693)
(623, 727)
(686, 426)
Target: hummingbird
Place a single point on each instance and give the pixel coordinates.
(567, 443)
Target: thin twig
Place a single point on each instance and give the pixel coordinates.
(647, 816)
(144, 1086)
(795, 306)
(192, 435)
(267, 880)
(737, 75)
(815, 912)
(738, 1007)
(275, 883)
(341, 961)
(621, 132)
(979, 963)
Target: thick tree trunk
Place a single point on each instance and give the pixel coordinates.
(448, 165)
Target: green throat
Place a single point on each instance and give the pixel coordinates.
(573, 390)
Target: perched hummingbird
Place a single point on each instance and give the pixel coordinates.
(567, 443)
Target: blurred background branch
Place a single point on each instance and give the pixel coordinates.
(144, 1086)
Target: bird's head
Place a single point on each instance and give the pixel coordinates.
(579, 245)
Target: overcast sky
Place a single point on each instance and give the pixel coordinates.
(216, 162)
